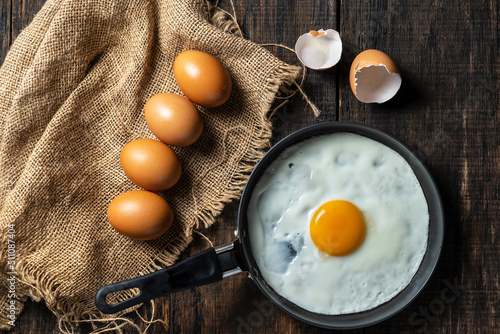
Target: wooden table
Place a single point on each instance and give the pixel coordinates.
(446, 111)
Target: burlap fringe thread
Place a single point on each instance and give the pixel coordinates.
(280, 83)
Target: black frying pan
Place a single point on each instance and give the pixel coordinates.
(216, 263)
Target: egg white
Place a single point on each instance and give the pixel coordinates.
(353, 168)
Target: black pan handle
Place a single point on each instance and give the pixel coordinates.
(206, 267)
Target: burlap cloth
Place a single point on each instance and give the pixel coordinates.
(72, 92)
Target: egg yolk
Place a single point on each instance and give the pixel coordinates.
(337, 227)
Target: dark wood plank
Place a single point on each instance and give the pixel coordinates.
(23, 12)
(36, 318)
(282, 22)
(5, 27)
(447, 112)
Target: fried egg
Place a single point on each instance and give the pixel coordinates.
(338, 224)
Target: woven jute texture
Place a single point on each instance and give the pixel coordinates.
(72, 94)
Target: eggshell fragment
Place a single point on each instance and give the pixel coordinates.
(319, 50)
(374, 77)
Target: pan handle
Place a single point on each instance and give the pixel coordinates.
(209, 266)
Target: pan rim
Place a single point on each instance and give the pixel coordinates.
(434, 242)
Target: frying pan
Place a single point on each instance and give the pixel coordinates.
(217, 263)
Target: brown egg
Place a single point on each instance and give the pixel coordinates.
(150, 164)
(173, 119)
(202, 78)
(140, 214)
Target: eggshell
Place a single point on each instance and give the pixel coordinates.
(319, 50)
(150, 164)
(173, 119)
(140, 214)
(202, 78)
(374, 77)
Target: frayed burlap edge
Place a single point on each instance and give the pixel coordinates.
(43, 287)
(69, 314)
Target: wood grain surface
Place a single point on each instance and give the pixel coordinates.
(447, 112)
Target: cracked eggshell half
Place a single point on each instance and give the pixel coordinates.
(319, 50)
(374, 77)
